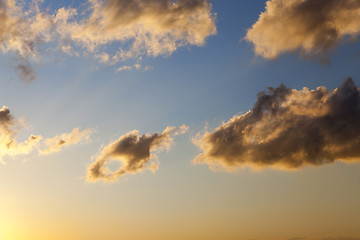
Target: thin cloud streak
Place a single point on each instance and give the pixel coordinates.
(288, 129)
(136, 153)
(35, 143)
(55, 144)
(313, 27)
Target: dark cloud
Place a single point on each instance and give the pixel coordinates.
(6, 119)
(134, 151)
(313, 26)
(289, 128)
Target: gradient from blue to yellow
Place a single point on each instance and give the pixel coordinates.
(47, 197)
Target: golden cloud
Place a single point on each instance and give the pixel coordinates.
(22, 32)
(56, 143)
(136, 27)
(134, 151)
(151, 27)
(314, 27)
(288, 128)
(10, 147)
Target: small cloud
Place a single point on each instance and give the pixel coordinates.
(8, 131)
(134, 151)
(56, 143)
(136, 67)
(10, 147)
(26, 72)
(147, 68)
(124, 68)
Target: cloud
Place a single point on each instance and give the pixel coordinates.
(134, 151)
(10, 147)
(6, 119)
(124, 68)
(148, 27)
(288, 128)
(56, 143)
(136, 66)
(109, 30)
(314, 27)
(21, 32)
(8, 131)
(26, 72)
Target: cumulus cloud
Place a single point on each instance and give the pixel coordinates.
(9, 127)
(288, 128)
(148, 27)
(134, 151)
(314, 27)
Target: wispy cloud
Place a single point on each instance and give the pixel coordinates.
(288, 128)
(21, 32)
(134, 151)
(56, 143)
(25, 71)
(8, 131)
(111, 31)
(147, 27)
(10, 147)
(314, 27)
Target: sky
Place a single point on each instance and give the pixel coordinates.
(186, 119)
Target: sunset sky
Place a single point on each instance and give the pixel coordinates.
(179, 119)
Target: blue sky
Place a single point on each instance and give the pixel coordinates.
(197, 86)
